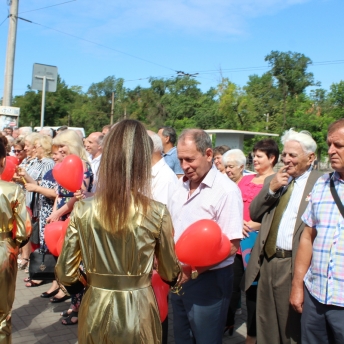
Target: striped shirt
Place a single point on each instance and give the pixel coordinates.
(325, 276)
(287, 224)
(217, 198)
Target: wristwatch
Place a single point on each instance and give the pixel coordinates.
(194, 274)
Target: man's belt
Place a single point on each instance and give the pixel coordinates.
(280, 253)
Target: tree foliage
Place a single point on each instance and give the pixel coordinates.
(272, 102)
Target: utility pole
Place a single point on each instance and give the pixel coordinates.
(267, 121)
(10, 53)
(112, 106)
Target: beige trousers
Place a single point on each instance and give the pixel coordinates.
(277, 322)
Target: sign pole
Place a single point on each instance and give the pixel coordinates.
(44, 78)
(43, 100)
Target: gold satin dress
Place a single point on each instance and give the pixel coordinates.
(12, 208)
(119, 305)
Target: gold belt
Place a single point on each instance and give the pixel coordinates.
(118, 282)
(5, 235)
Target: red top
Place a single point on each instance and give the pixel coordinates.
(249, 191)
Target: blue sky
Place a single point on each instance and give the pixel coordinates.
(203, 36)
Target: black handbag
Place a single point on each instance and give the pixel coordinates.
(34, 238)
(42, 265)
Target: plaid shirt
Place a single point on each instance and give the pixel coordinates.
(325, 276)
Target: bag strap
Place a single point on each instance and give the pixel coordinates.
(335, 195)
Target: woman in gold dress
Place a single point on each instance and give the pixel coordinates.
(13, 211)
(116, 234)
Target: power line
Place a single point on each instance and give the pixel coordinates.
(41, 8)
(245, 69)
(4, 20)
(101, 45)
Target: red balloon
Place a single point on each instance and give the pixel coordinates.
(62, 237)
(64, 228)
(52, 234)
(13, 159)
(60, 245)
(203, 244)
(9, 170)
(161, 290)
(69, 173)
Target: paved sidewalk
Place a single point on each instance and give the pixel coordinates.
(36, 320)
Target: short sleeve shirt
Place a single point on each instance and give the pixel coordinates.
(172, 160)
(325, 276)
(217, 198)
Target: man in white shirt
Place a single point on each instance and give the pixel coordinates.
(164, 182)
(163, 178)
(93, 145)
(200, 309)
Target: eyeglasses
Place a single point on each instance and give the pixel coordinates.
(17, 150)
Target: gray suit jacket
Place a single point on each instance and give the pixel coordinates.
(262, 210)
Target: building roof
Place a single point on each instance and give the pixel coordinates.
(246, 134)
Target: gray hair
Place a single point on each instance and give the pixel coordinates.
(24, 131)
(46, 131)
(235, 155)
(33, 137)
(200, 137)
(157, 143)
(100, 140)
(170, 132)
(304, 138)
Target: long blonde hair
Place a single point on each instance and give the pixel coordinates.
(124, 174)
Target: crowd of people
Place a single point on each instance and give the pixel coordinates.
(140, 191)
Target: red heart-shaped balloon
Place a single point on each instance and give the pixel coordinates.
(203, 244)
(13, 159)
(9, 170)
(52, 234)
(161, 290)
(69, 173)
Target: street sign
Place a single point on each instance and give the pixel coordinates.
(39, 72)
(44, 78)
(9, 111)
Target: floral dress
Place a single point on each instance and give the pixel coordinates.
(45, 205)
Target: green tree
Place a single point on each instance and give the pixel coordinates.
(57, 105)
(290, 71)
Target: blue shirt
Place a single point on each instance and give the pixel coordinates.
(172, 160)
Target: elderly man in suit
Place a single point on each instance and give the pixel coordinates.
(278, 207)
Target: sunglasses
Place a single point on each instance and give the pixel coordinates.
(17, 150)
